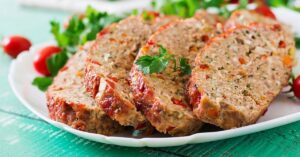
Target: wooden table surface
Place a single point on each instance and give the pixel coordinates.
(24, 134)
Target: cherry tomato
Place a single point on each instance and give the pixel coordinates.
(40, 59)
(14, 45)
(296, 87)
(266, 11)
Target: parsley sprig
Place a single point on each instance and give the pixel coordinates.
(297, 40)
(80, 30)
(182, 8)
(187, 8)
(158, 63)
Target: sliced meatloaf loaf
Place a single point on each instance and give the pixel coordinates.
(161, 96)
(109, 62)
(239, 73)
(68, 102)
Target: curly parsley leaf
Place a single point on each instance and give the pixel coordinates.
(297, 40)
(211, 3)
(187, 8)
(243, 4)
(154, 64)
(146, 16)
(79, 30)
(158, 63)
(185, 68)
(42, 82)
(94, 22)
(224, 12)
(182, 8)
(56, 62)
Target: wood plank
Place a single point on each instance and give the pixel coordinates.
(21, 136)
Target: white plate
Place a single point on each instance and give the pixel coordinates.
(281, 112)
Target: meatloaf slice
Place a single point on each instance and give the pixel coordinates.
(109, 63)
(239, 73)
(161, 96)
(248, 17)
(68, 102)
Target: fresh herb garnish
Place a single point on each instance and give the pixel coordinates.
(185, 68)
(187, 8)
(297, 40)
(204, 4)
(79, 30)
(243, 4)
(291, 4)
(42, 82)
(56, 62)
(158, 63)
(182, 8)
(154, 64)
(224, 12)
(147, 16)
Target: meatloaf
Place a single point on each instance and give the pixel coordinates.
(109, 63)
(161, 96)
(248, 17)
(68, 102)
(239, 73)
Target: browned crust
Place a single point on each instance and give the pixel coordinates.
(226, 117)
(78, 116)
(151, 108)
(121, 109)
(111, 101)
(91, 80)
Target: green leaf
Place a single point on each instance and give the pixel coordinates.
(146, 16)
(193, 6)
(224, 12)
(154, 64)
(182, 8)
(61, 40)
(144, 63)
(56, 62)
(162, 51)
(185, 8)
(158, 63)
(277, 3)
(211, 3)
(134, 12)
(80, 30)
(185, 68)
(297, 40)
(243, 4)
(42, 82)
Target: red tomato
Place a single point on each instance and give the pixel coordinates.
(40, 59)
(14, 45)
(266, 11)
(296, 87)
